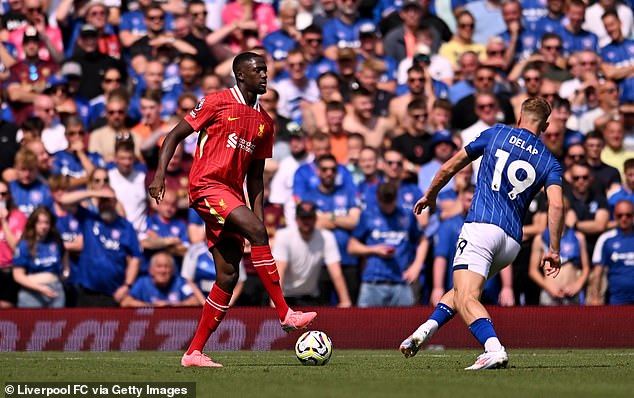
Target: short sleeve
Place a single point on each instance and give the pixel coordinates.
(360, 231)
(21, 256)
(475, 149)
(203, 113)
(554, 176)
(331, 250)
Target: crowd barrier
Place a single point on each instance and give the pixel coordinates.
(171, 329)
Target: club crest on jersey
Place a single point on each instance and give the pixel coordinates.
(261, 130)
(222, 204)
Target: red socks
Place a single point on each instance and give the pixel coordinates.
(264, 264)
(214, 311)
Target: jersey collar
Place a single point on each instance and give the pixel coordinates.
(237, 94)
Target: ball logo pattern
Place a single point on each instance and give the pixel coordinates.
(313, 348)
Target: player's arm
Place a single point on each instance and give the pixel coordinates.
(551, 261)
(255, 187)
(173, 138)
(442, 177)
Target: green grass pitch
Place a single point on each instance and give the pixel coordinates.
(350, 373)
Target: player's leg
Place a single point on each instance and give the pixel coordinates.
(444, 312)
(244, 222)
(227, 253)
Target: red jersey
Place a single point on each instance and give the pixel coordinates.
(232, 135)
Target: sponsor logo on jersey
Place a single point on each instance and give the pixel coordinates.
(233, 141)
(231, 119)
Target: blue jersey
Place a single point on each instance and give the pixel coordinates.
(532, 11)
(68, 164)
(48, 257)
(134, 21)
(205, 272)
(570, 251)
(615, 250)
(445, 241)
(162, 229)
(547, 24)
(278, 44)
(194, 218)
(573, 42)
(621, 55)
(408, 194)
(340, 34)
(145, 290)
(526, 43)
(398, 230)
(70, 230)
(515, 166)
(103, 260)
(306, 178)
(28, 197)
(338, 202)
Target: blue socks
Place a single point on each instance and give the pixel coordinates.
(482, 330)
(442, 314)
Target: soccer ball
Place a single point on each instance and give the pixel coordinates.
(313, 348)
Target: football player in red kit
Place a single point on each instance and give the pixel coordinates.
(236, 136)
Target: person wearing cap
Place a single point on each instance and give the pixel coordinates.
(27, 78)
(281, 187)
(338, 211)
(442, 147)
(371, 47)
(92, 62)
(96, 13)
(51, 46)
(301, 251)
(392, 243)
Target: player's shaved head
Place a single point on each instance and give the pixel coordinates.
(536, 111)
(243, 59)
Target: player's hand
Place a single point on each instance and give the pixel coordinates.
(157, 188)
(425, 202)
(551, 264)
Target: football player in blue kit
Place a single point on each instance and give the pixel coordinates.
(515, 166)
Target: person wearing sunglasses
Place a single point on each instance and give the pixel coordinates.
(590, 206)
(613, 255)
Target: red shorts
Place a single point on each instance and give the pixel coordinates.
(214, 208)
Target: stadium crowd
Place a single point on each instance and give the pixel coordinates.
(369, 98)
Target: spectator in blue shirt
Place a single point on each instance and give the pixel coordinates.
(389, 238)
(163, 287)
(614, 254)
(75, 162)
(618, 57)
(109, 261)
(28, 190)
(164, 232)
(39, 263)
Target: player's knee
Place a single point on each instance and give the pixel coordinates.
(258, 235)
(227, 280)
